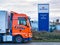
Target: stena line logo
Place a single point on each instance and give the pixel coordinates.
(43, 8)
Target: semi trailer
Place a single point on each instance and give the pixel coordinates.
(14, 27)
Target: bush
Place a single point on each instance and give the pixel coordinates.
(45, 35)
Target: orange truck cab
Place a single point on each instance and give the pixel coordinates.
(20, 27)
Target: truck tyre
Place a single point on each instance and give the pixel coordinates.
(1, 39)
(18, 39)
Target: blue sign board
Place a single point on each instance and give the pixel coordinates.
(43, 17)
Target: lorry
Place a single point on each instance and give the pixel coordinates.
(14, 27)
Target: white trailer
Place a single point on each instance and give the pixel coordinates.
(4, 27)
(3, 21)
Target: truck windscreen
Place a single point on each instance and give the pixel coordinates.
(22, 21)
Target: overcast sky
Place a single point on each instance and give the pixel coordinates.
(54, 8)
(30, 7)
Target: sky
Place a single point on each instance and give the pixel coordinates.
(54, 8)
(30, 7)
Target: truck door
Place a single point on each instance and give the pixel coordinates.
(19, 26)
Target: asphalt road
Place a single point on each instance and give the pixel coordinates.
(33, 43)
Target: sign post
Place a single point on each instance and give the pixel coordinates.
(43, 17)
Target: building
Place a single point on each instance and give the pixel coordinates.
(54, 26)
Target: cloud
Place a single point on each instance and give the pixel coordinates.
(43, 1)
(28, 7)
(54, 9)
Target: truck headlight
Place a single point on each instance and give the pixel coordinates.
(30, 35)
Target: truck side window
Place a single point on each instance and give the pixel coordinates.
(22, 21)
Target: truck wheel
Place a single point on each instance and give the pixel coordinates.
(0, 39)
(18, 39)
